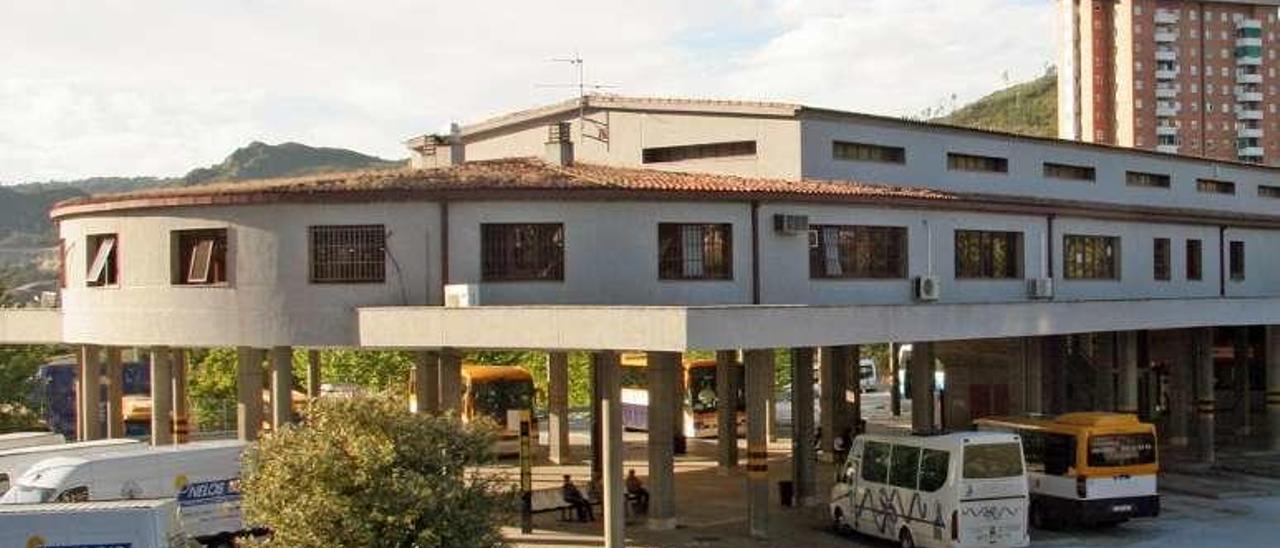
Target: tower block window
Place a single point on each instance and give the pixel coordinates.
(522, 252)
(1069, 172)
(348, 254)
(695, 251)
(658, 155)
(969, 162)
(863, 152)
(201, 257)
(104, 265)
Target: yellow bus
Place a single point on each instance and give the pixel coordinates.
(698, 382)
(499, 392)
(1086, 468)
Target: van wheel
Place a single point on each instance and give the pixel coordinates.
(1040, 518)
(837, 520)
(905, 540)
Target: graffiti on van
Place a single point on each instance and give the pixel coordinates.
(989, 512)
(887, 510)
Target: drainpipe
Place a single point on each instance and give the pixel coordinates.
(755, 252)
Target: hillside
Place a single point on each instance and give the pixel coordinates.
(263, 161)
(1028, 108)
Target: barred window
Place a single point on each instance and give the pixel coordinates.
(969, 162)
(1194, 260)
(988, 254)
(1237, 260)
(1070, 172)
(1215, 187)
(695, 251)
(104, 265)
(852, 251)
(200, 257)
(1160, 259)
(1267, 191)
(863, 152)
(1148, 180)
(522, 251)
(1091, 257)
(348, 254)
(656, 155)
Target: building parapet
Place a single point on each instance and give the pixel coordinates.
(30, 326)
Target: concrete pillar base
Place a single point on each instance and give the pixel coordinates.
(661, 524)
(1179, 442)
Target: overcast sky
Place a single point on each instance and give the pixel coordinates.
(156, 87)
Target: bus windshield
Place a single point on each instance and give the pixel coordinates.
(1122, 449)
(702, 389)
(27, 494)
(494, 398)
(994, 460)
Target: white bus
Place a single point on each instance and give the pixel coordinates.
(18, 440)
(204, 477)
(14, 462)
(151, 523)
(963, 489)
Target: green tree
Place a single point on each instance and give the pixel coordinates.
(366, 472)
(212, 388)
(18, 365)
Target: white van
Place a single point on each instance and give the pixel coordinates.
(131, 523)
(962, 489)
(868, 381)
(14, 462)
(204, 477)
(18, 440)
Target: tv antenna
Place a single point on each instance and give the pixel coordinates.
(580, 64)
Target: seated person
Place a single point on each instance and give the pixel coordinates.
(638, 492)
(574, 497)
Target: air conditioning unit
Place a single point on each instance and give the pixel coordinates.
(927, 288)
(1040, 288)
(460, 295)
(790, 224)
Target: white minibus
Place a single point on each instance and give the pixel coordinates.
(204, 477)
(13, 462)
(18, 440)
(963, 489)
(149, 523)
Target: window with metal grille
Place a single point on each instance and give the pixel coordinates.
(1237, 260)
(343, 254)
(522, 251)
(104, 265)
(1194, 260)
(1215, 187)
(1147, 180)
(1091, 257)
(970, 162)
(854, 251)
(1069, 172)
(1267, 191)
(988, 254)
(1160, 259)
(657, 155)
(701, 251)
(200, 257)
(863, 152)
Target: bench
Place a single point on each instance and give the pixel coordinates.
(552, 500)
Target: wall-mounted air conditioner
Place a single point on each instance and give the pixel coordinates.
(1040, 288)
(460, 295)
(927, 288)
(790, 224)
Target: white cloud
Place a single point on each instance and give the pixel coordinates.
(156, 87)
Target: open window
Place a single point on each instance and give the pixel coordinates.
(200, 257)
(104, 267)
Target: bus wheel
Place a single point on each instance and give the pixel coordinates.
(905, 540)
(837, 520)
(1038, 518)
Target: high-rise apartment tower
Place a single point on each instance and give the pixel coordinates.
(1195, 78)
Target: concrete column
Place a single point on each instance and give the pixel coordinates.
(1204, 393)
(802, 458)
(598, 364)
(851, 395)
(1240, 359)
(426, 382)
(450, 380)
(922, 408)
(1180, 385)
(181, 413)
(115, 393)
(161, 396)
(611, 427)
(281, 387)
(558, 408)
(313, 376)
(1104, 360)
(663, 373)
(727, 373)
(771, 397)
(89, 393)
(1273, 385)
(1127, 351)
(759, 366)
(895, 385)
(248, 393)
(680, 444)
(1033, 357)
(830, 413)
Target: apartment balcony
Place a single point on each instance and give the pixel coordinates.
(1249, 96)
(1163, 74)
(1249, 133)
(1166, 55)
(1250, 23)
(1169, 149)
(1249, 60)
(1166, 130)
(1251, 114)
(1249, 152)
(1166, 37)
(1166, 111)
(1248, 42)
(1249, 78)
(1166, 17)
(1166, 92)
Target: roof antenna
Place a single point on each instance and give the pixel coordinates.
(577, 62)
